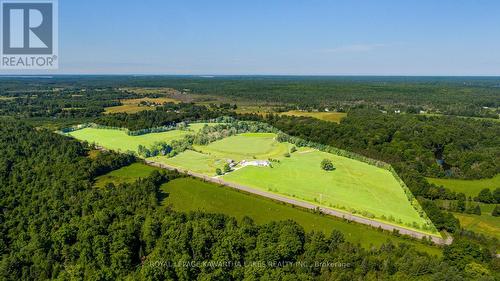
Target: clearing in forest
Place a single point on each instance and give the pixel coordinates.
(322, 115)
(136, 105)
(260, 162)
(468, 187)
(119, 140)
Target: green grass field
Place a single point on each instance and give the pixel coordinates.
(468, 187)
(192, 161)
(119, 140)
(487, 208)
(353, 185)
(485, 223)
(127, 174)
(188, 194)
(246, 146)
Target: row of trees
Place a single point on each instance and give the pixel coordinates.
(168, 115)
(488, 197)
(170, 149)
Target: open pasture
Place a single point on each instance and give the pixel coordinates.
(188, 194)
(192, 161)
(468, 187)
(353, 185)
(325, 116)
(134, 105)
(247, 146)
(119, 140)
(127, 174)
(485, 223)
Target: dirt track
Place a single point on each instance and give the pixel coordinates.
(328, 211)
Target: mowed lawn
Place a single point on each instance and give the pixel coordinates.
(325, 116)
(188, 194)
(485, 223)
(353, 185)
(468, 187)
(119, 140)
(127, 174)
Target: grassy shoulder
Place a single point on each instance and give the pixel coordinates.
(468, 187)
(188, 194)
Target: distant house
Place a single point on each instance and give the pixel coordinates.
(231, 163)
(258, 163)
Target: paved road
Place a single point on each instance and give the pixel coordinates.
(328, 211)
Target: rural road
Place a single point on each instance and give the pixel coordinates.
(328, 211)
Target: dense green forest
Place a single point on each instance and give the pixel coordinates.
(59, 103)
(55, 225)
(464, 96)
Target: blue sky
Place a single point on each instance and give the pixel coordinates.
(455, 37)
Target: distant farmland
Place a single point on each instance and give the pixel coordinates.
(326, 116)
(134, 105)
